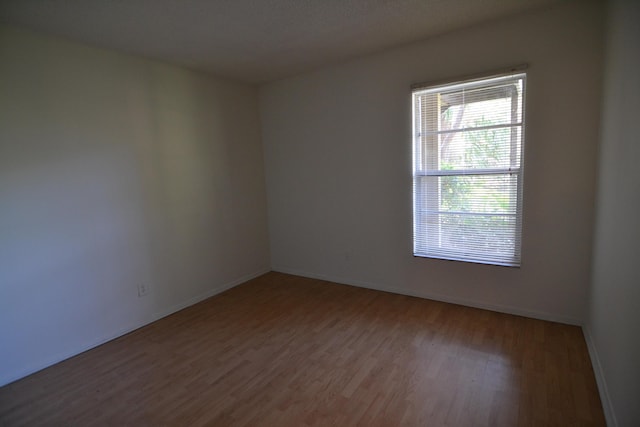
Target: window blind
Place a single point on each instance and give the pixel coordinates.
(468, 142)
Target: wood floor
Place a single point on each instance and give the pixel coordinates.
(282, 350)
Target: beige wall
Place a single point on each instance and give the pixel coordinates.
(613, 328)
(338, 164)
(116, 171)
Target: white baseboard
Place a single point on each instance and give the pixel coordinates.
(152, 318)
(436, 297)
(609, 415)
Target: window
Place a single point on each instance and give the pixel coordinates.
(467, 169)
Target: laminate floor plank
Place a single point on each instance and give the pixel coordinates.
(282, 350)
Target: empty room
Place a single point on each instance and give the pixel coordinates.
(319, 213)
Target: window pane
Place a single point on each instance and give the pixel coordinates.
(480, 149)
(471, 107)
(484, 194)
(483, 236)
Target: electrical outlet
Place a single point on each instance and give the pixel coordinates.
(142, 289)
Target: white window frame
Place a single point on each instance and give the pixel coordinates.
(424, 194)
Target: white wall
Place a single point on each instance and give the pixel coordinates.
(116, 171)
(338, 164)
(614, 318)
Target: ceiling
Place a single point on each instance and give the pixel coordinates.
(253, 40)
